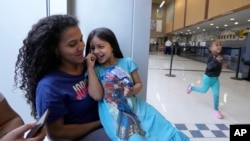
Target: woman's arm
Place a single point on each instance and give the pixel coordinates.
(9, 119)
(58, 130)
(130, 91)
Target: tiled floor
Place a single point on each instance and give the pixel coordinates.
(202, 130)
(193, 113)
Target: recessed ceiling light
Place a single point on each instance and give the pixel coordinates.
(217, 26)
(236, 23)
(198, 27)
(232, 19)
(203, 29)
(188, 30)
(211, 24)
(248, 20)
(225, 25)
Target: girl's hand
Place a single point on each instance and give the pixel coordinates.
(91, 58)
(219, 59)
(128, 91)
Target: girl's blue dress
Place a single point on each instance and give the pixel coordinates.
(130, 118)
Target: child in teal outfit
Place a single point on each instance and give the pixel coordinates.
(211, 76)
(124, 116)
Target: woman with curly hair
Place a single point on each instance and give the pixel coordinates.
(53, 74)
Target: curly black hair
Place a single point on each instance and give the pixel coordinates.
(38, 55)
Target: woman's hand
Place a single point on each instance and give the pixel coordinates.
(18, 134)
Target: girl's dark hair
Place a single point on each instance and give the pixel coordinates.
(38, 54)
(107, 35)
(212, 42)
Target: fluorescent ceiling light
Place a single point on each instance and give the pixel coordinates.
(162, 3)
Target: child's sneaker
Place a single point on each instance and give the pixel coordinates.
(188, 89)
(218, 115)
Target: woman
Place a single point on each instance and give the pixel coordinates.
(53, 76)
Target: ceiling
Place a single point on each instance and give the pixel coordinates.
(159, 1)
(241, 17)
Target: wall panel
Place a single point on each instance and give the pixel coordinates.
(195, 11)
(170, 17)
(217, 7)
(169, 27)
(179, 14)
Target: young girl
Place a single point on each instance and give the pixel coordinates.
(124, 116)
(211, 76)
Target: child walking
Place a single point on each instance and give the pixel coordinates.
(211, 76)
(124, 116)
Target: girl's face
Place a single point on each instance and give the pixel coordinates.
(103, 51)
(216, 48)
(71, 47)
